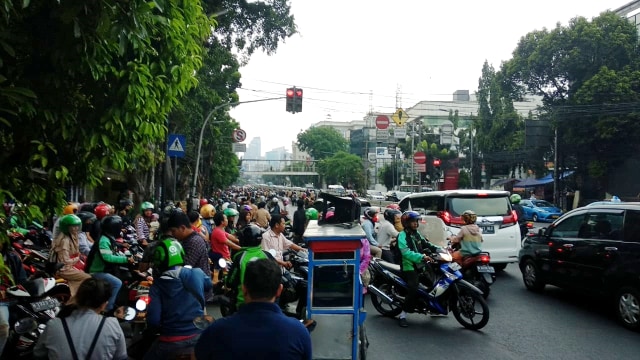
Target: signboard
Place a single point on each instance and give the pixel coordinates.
(400, 133)
(239, 135)
(382, 122)
(176, 145)
(371, 157)
(400, 117)
(382, 135)
(380, 151)
(420, 168)
(451, 177)
(237, 147)
(420, 158)
(391, 149)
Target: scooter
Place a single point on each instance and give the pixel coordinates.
(442, 289)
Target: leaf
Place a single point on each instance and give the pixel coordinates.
(76, 28)
(25, 3)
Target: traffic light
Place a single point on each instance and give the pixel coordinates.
(436, 163)
(290, 99)
(297, 100)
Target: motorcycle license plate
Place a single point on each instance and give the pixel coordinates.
(454, 266)
(45, 304)
(486, 269)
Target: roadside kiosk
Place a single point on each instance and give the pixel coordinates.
(334, 295)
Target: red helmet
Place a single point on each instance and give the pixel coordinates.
(393, 206)
(203, 202)
(101, 211)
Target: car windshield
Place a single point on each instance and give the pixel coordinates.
(542, 203)
(482, 206)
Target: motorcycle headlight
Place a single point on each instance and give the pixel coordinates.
(25, 325)
(141, 304)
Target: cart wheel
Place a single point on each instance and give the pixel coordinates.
(363, 342)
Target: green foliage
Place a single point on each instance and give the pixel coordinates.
(386, 175)
(322, 142)
(343, 168)
(95, 83)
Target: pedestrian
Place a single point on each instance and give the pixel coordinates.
(259, 330)
(80, 332)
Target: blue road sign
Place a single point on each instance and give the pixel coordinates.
(177, 145)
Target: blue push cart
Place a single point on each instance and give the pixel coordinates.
(334, 295)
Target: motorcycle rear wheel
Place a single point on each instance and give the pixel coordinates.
(465, 309)
(390, 310)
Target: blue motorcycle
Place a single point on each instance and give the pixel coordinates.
(442, 289)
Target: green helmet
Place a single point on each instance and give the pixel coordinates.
(168, 253)
(515, 199)
(146, 206)
(230, 212)
(311, 214)
(68, 221)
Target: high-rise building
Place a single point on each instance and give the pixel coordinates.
(277, 158)
(254, 152)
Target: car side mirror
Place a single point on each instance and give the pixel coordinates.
(542, 231)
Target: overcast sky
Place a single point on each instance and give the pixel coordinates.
(346, 49)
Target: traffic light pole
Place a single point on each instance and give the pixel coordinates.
(204, 124)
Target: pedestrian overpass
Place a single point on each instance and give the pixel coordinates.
(282, 173)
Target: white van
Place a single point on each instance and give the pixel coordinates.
(336, 189)
(496, 218)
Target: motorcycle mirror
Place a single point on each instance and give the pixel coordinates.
(130, 313)
(222, 263)
(273, 252)
(202, 322)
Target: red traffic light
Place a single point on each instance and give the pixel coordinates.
(436, 162)
(290, 92)
(299, 93)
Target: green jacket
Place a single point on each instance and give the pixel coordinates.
(18, 225)
(105, 255)
(411, 248)
(235, 279)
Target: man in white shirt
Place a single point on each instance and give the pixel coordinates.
(275, 239)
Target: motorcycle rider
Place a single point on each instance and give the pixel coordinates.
(387, 234)
(11, 273)
(65, 249)
(368, 225)
(177, 297)
(250, 240)
(142, 222)
(411, 248)
(299, 222)
(102, 260)
(469, 238)
(522, 222)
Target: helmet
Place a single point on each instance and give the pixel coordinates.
(203, 202)
(86, 216)
(168, 253)
(390, 215)
(246, 207)
(232, 205)
(311, 214)
(370, 212)
(251, 235)
(408, 217)
(112, 225)
(285, 202)
(393, 206)
(469, 217)
(101, 211)
(515, 199)
(67, 221)
(124, 203)
(146, 206)
(229, 212)
(72, 208)
(207, 211)
(274, 200)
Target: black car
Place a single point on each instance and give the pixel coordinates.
(594, 250)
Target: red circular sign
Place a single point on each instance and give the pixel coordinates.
(382, 122)
(420, 158)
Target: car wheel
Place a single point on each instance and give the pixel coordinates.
(531, 276)
(535, 217)
(628, 308)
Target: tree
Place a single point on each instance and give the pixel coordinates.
(91, 84)
(343, 168)
(386, 175)
(322, 142)
(565, 66)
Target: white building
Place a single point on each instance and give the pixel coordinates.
(277, 158)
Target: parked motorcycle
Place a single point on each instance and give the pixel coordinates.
(447, 292)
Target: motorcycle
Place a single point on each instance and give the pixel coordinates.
(478, 270)
(32, 305)
(447, 292)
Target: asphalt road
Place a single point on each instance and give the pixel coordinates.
(523, 325)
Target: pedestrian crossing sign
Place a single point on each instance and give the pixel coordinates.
(176, 145)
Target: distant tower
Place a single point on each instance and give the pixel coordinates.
(399, 97)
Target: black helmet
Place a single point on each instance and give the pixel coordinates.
(390, 215)
(112, 225)
(251, 236)
(409, 216)
(87, 219)
(370, 212)
(124, 203)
